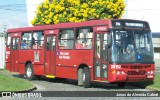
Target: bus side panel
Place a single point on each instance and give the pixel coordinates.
(38, 62)
(66, 72)
(22, 68)
(36, 57)
(8, 59)
(16, 59)
(74, 57)
(92, 74)
(38, 69)
(68, 61)
(8, 66)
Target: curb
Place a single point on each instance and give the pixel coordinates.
(151, 88)
(27, 90)
(21, 91)
(147, 87)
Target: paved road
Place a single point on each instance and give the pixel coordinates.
(71, 85)
(44, 84)
(57, 84)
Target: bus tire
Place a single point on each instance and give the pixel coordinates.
(86, 77)
(121, 84)
(29, 72)
(38, 77)
(80, 76)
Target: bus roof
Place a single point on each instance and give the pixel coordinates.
(70, 25)
(59, 26)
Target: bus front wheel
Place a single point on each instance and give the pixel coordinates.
(84, 77)
(29, 72)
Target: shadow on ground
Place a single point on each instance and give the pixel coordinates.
(74, 82)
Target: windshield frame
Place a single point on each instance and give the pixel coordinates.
(137, 53)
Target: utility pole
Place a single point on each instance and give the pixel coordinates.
(4, 30)
(2, 47)
(3, 33)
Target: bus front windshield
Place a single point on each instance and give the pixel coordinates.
(131, 46)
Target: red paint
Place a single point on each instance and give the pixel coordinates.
(62, 62)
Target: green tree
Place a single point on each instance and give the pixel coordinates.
(77, 11)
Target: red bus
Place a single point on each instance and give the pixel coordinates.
(110, 51)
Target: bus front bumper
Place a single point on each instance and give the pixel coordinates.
(131, 78)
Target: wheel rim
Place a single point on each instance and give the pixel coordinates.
(83, 77)
(29, 72)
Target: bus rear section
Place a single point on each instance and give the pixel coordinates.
(12, 52)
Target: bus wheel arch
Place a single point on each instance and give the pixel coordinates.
(83, 76)
(29, 71)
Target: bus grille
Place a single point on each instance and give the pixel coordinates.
(136, 72)
(137, 67)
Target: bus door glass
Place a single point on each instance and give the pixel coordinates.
(101, 57)
(8, 52)
(15, 54)
(50, 47)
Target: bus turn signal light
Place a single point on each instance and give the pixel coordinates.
(118, 72)
(114, 72)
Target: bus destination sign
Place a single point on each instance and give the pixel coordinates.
(129, 24)
(134, 24)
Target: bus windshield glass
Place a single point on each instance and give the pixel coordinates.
(131, 46)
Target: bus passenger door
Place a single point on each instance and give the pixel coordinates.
(50, 47)
(15, 54)
(101, 57)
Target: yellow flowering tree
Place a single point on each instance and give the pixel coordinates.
(60, 11)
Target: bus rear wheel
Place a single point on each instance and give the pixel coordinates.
(84, 77)
(29, 72)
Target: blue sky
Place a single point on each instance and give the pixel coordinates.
(13, 13)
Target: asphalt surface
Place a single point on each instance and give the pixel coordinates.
(44, 84)
(58, 84)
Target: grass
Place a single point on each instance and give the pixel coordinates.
(8, 83)
(155, 85)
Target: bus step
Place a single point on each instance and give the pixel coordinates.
(100, 81)
(50, 76)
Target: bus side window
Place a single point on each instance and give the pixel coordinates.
(9, 41)
(66, 39)
(26, 40)
(83, 38)
(16, 45)
(49, 43)
(13, 44)
(53, 43)
(37, 40)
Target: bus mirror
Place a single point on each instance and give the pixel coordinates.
(109, 42)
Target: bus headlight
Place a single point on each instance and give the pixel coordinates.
(150, 72)
(120, 72)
